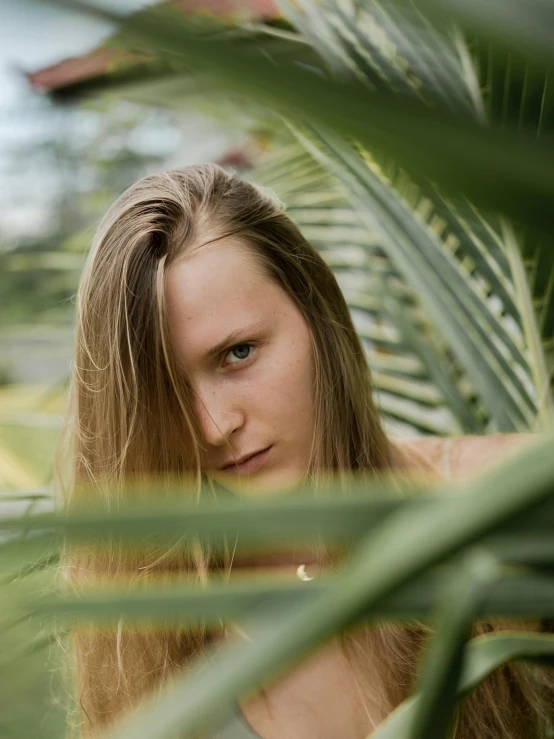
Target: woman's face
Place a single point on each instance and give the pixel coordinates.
(246, 347)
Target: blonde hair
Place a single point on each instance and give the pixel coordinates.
(131, 417)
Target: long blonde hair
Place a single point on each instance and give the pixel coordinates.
(131, 417)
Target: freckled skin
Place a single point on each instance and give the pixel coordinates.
(267, 398)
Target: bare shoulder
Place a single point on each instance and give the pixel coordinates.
(320, 698)
(460, 457)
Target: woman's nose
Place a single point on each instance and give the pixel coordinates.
(218, 419)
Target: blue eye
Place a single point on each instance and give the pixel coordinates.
(238, 353)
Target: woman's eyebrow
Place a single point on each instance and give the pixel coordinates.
(232, 338)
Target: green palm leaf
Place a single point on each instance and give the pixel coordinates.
(523, 26)
(461, 602)
(465, 320)
(483, 655)
(234, 600)
(485, 257)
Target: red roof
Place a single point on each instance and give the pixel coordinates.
(74, 70)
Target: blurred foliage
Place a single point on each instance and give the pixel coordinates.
(30, 420)
(87, 159)
(448, 556)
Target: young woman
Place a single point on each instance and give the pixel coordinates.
(213, 340)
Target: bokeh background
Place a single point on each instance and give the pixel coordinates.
(62, 162)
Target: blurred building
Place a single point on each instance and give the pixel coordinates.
(70, 78)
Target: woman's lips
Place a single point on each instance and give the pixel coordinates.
(252, 464)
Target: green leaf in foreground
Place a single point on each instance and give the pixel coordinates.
(466, 589)
(483, 655)
(384, 561)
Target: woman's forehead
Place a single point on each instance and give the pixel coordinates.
(216, 290)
